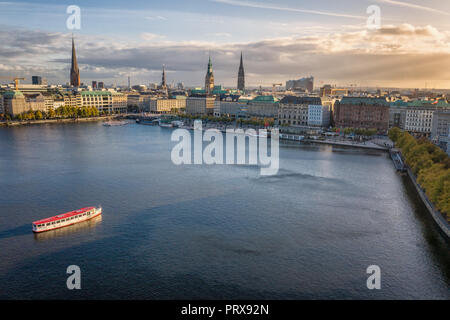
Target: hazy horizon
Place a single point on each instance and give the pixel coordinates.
(280, 40)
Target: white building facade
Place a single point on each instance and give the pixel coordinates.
(318, 115)
(419, 119)
(111, 102)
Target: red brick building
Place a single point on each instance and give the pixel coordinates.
(362, 113)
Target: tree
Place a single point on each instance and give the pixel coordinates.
(394, 133)
(38, 115)
(51, 113)
(348, 130)
(431, 166)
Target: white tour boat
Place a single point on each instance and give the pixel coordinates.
(66, 219)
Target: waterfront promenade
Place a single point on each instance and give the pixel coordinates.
(49, 121)
(375, 144)
(365, 145)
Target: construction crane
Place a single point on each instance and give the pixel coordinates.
(15, 79)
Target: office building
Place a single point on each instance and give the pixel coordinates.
(200, 105)
(14, 103)
(440, 129)
(318, 115)
(294, 110)
(107, 101)
(362, 113)
(167, 105)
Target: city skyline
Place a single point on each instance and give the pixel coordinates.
(411, 49)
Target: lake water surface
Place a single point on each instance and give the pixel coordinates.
(208, 232)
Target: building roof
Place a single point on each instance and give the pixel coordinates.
(429, 103)
(364, 101)
(198, 91)
(96, 93)
(13, 94)
(265, 99)
(301, 100)
(399, 103)
(216, 90)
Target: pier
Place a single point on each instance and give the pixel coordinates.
(397, 159)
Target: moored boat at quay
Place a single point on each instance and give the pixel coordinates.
(66, 219)
(115, 123)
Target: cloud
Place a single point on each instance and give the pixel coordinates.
(414, 6)
(219, 34)
(150, 36)
(397, 54)
(409, 30)
(400, 39)
(276, 7)
(152, 18)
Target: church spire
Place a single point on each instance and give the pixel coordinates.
(74, 70)
(163, 80)
(241, 76)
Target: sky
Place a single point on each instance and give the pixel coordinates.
(279, 39)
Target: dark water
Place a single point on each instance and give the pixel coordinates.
(216, 232)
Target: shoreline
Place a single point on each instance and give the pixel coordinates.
(349, 144)
(440, 220)
(48, 121)
(372, 145)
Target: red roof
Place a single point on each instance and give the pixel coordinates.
(64, 215)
